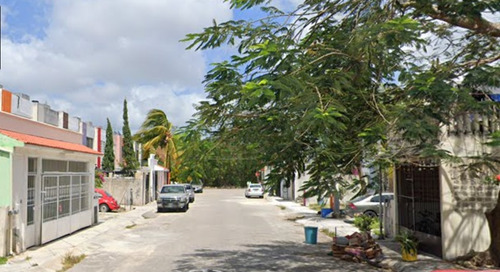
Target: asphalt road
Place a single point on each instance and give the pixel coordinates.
(222, 231)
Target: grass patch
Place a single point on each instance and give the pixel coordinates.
(3, 260)
(328, 233)
(27, 258)
(281, 207)
(130, 226)
(70, 260)
(294, 218)
(316, 207)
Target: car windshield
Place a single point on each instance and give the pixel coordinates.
(172, 189)
(255, 186)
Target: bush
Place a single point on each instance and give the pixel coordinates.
(364, 222)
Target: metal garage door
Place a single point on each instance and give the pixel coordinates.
(66, 199)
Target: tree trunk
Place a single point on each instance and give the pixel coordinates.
(493, 218)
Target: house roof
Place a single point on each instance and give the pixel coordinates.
(46, 142)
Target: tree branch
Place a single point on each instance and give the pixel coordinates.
(477, 24)
(480, 62)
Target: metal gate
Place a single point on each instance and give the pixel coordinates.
(419, 205)
(65, 205)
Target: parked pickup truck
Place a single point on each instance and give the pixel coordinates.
(173, 197)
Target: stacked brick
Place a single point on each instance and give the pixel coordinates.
(357, 247)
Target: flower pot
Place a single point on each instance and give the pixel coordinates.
(409, 256)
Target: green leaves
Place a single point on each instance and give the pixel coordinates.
(336, 84)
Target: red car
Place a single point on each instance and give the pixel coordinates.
(106, 201)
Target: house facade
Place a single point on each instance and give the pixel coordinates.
(47, 179)
(47, 162)
(441, 202)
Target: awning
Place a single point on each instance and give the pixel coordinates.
(46, 142)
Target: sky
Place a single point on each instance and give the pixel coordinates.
(85, 57)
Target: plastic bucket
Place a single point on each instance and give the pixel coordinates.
(325, 212)
(311, 235)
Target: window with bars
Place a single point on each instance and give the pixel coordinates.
(50, 198)
(32, 171)
(65, 195)
(76, 190)
(64, 166)
(31, 200)
(66, 188)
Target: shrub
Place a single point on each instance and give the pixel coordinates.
(363, 222)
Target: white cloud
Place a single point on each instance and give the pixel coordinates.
(96, 53)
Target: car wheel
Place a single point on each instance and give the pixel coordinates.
(191, 200)
(370, 213)
(159, 210)
(186, 207)
(103, 208)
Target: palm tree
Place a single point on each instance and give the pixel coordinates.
(156, 137)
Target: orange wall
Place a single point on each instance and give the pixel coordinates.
(6, 101)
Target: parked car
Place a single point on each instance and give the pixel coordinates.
(367, 204)
(198, 188)
(190, 190)
(173, 197)
(254, 190)
(106, 201)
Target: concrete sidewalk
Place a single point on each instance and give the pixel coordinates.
(392, 257)
(48, 257)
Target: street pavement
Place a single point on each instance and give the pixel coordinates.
(49, 256)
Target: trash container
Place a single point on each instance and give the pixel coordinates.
(311, 235)
(325, 212)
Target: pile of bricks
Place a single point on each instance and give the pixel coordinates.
(357, 247)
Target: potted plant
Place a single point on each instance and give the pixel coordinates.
(409, 244)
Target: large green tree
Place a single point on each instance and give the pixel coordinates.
(214, 161)
(156, 135)
(130, 162)
(108, 161)
(333, 84)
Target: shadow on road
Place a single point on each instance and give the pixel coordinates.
(275, 256)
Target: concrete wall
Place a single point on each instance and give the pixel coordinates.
(120, 188)
(21, 105)
(465, 199)
(5, 199)
(5, 178)
(27, 126)
(74, 124)
(4, 231)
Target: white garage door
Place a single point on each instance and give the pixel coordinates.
(66, 198)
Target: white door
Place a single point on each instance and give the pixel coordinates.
(30, 234)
